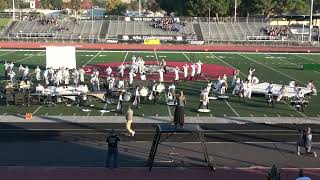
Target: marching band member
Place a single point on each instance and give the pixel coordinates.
(224, 77)
(6, 66)
(120, 83)
(56, 79)
(25, 74)
(75, 76)
(121, 70)
(59, 76)
(131, 75)
(199, 68)
(21, 69)
(161, 71)
(11, 65)
(171, 92)
(176, 72)
(120, 102)
(193, 70)
(249, 78)
(235, 77)
(39, 89)
(282, 92)
(96, 73)
(312, 87)
(251, 71)
(95, 83)
(111, 82)
(37, 71)
(163, 63)
(299, 94)
(12, 76)
(45, 76)
(185, 71)
(81, 74)
(153, 94)
(209, 86)
(141, 65)
(143, 76)
(237, 88)
(109, 71)
(248, 89)
(270, 89)
(50, 74)
(269, 94)
(66, 76)
(136, 101)
(204, 99)
(133, 60)
(254, 80)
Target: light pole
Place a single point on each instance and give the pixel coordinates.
(235, 10)
(13, 11)
(92, 38)
(310, 23)
(139, 8)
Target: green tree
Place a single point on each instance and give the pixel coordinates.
(44, 3)
(3, 4)
(153, 5)
(56, 4)
(115, 7)
(75, 5)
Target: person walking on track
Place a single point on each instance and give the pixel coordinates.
(129, 118)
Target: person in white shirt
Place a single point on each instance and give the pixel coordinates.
(235, 76)
(45, 76)
(66, 77)
(312, 87)
(161, 71)
(11, 65)
(299, 94)
(12, 76)
(163, 63)
(143, 76)
(109, 71)
(37, 72)
(111, 82)
(193, 71)
(136, 101)
(59, 76)
(6, 65)
(176, 72)
(292, 83)
(25, 74)
(133, 60)
(121, 70)
(204, 99)
(237, 88)
(39, 89)
(185, 71)
(21, 69)
(131, 76)
(81, 74)
(75, 77)
(199, 68)
(95, 83)
(251, 71)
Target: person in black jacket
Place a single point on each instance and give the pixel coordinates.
(112, 149)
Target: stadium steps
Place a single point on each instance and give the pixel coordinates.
(198, 31)
(104, 29)
(10, 27)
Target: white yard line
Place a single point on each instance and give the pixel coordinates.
(233, 110)
(295, 109)
(272, 69)
(6, 53)
(228, 64)
(92, 58)
(27, 58)
(125, 57)
(34, 112)
(306, 58)
(155, 53)
(297, 65)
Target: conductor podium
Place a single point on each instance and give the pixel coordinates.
(169, 130)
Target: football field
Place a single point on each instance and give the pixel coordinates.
(279, 68)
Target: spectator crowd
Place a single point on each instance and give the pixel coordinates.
(167, 24)
(276, 30)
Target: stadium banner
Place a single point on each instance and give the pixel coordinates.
(148, 19)
(147, 37)
(151, 41)
(112, 41)
(196, 42)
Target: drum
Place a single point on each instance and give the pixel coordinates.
(144, 92)
(127, 97)
(160, 88)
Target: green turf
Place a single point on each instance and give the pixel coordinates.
(278, 68)
(3, 22)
